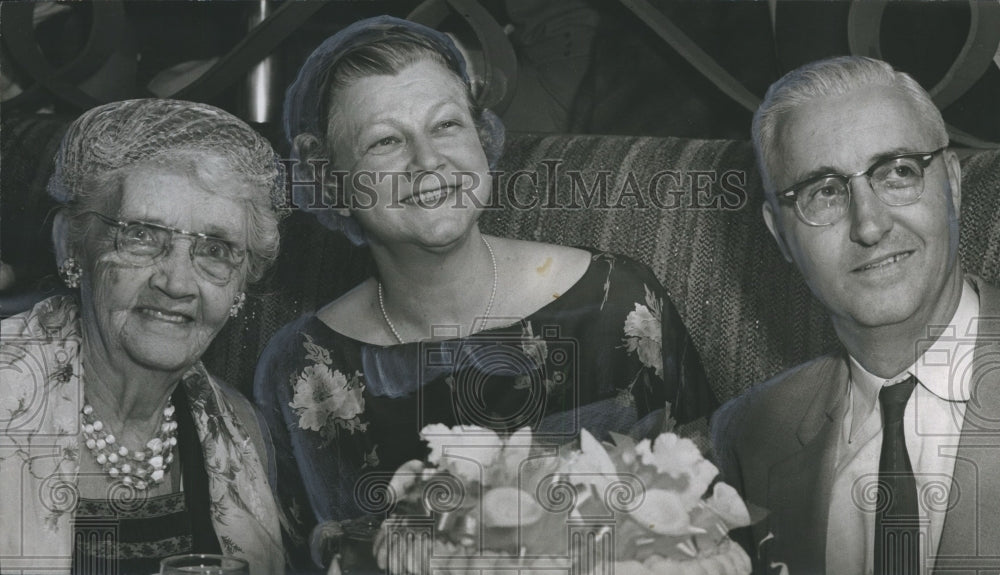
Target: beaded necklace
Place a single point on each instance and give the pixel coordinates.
(137, 468)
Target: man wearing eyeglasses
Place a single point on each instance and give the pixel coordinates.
(872, 459)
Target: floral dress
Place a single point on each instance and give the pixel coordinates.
(607, 355)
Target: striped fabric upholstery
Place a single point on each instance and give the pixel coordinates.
(748, 311)
(688, 208)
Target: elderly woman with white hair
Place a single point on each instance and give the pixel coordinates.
(117, 448)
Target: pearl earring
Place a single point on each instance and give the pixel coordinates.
(70, 272)
(238, 301)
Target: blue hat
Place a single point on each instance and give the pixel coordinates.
(304, 96)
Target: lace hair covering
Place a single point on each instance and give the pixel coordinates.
(303, 113)
(116, 135)
(110, 138)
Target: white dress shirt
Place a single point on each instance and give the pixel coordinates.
(932, 424)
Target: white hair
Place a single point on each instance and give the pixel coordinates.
(831, 77)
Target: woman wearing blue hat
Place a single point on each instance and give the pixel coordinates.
(456, 327)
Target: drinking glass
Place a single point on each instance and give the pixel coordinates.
(202, 564)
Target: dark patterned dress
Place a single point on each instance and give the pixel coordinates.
(607, 355)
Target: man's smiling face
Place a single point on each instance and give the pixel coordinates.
(879, 265)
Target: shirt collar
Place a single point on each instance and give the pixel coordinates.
(949, 355)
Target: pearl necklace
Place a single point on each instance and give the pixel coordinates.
(139, 469)
(489, 305)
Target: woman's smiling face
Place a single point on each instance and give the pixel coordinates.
(418, 172)
(161, 316)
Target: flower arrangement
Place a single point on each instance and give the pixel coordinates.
(486, 502)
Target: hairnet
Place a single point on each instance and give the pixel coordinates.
(116, 135)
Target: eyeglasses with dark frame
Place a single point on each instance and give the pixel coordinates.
(142, 243)
(896, 180)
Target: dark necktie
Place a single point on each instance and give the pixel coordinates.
(897, 519)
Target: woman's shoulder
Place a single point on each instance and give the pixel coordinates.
(343, 318)
(543, 256)
(626, 268)
(53, 318)
(538, 273)
(628, 282)
(321, 332)
(287, 344)
(46, 337)
(552, 277)
(299, 345)
(575, 262)
(292, 331)
(351, 315)
(246, 413)
(41, 356)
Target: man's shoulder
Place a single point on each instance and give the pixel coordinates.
(777, 405)
(796, 383)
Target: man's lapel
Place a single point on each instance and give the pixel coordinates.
(970, 539)
(799, 486)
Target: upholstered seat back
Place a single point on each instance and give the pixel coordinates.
(688, 208)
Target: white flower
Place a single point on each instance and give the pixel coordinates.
(643, 333)
(726, 503)
(404, 477)
(669, 477)
(641, 323)
(462, 450)
(509, 507)
(322, 395)
(663, 512)
(679, 457)
(591, 465)
(520, 464)
(521, 438)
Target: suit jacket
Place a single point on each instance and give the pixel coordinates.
(776, 444)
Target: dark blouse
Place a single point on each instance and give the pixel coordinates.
(130, 533)
(607, 355)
